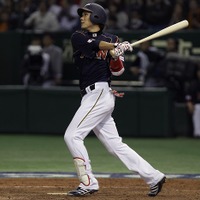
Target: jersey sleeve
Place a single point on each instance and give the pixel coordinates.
(83, 45)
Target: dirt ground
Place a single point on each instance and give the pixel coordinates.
(110, 189)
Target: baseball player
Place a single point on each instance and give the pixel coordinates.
(98, 56)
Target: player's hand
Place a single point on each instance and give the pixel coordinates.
(118, 94)
(126, 46)
(122, 48)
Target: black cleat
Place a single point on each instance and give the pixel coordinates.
(154, 190)
(81, 192)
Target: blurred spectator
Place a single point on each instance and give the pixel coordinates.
(178, 13)
(42, 20)
(4, 21)
(136, 21)
(172, 45)
(145, 68)
(158, 13)
(24, 9)
(54, 7)
(193, 103)
(174, 65)
(136, 11)
(56, 62)
(35, 64)
(124, 14)
(68, 17)
(194, 14)
(117, 10)
(179, 70)
(137, 5)
(112, 18)
(111, 24)
(8, 16)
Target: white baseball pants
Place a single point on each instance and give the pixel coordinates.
(94, 114)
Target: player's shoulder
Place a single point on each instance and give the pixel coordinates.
(109, 34)
(114, 38)
(78, 34)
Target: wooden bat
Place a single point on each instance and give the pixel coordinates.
(170, 29)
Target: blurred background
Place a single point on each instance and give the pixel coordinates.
(39, 82)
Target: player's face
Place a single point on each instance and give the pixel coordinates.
(85, 21)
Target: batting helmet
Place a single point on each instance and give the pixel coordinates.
(98, 13)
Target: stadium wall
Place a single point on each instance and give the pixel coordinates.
(141, 113)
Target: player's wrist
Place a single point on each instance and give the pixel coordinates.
(113, 54)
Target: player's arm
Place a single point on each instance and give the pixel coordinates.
(107, 46)
(88, 46)
(116, 49)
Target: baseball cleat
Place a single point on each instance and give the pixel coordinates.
(154, 190)
(81, 192)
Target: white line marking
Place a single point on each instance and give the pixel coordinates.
(57, 193)
(72, 175)
(29, 186)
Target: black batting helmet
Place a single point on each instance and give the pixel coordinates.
(98, 13)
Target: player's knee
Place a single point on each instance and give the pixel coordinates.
(70, 139)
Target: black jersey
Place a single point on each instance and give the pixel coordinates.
(92, 62)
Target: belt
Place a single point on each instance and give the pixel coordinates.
(89, 89)
(84, 91)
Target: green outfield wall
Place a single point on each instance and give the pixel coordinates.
(141, 113)
(13, 109)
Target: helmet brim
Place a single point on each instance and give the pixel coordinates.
(81, 10)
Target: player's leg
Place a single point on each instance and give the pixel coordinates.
(91, 112)
(74, 139)
(107, 133)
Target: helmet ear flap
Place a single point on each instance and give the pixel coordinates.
(95, 18)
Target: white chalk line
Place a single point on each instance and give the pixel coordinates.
(47, 186)
(28, 186)
(57, 193)
(73, 175)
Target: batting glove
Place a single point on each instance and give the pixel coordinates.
(122, 48)
(126, 45)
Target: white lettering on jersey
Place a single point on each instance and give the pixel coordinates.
(90, 40)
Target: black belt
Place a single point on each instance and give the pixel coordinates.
(91, 87)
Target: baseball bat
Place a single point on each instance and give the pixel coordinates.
(170, 29)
